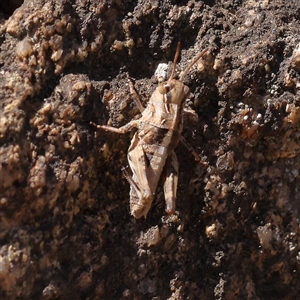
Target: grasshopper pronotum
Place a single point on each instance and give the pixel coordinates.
(151, 154)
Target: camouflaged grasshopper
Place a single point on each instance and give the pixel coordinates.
(151, 154)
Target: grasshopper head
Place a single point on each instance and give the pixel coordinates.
(173, 91)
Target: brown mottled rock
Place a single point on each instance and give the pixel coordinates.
(65, 227)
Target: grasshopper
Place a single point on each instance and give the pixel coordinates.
(151, 155)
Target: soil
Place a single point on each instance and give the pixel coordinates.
(66, 231)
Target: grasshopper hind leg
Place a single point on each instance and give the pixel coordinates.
(138, 208)
(142, 187)
(170, 181)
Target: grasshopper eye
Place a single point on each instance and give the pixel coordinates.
(164, 88)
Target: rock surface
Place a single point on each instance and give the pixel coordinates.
(66, 231)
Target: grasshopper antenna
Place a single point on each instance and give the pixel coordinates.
(196, 58)
(175, 60)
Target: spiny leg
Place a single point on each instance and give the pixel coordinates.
(170, 181)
